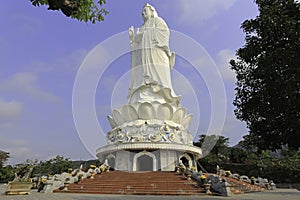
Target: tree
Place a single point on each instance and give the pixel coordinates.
(86, 10)
(6, 172)
(268, 72)
(220, 145)
(55, 165)
(238, 155)
(3, 157)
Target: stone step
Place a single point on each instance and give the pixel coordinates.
(240, 187)
(131, 187)
(146, 183)
(158, 192)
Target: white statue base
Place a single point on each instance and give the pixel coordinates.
(142, 141)
(148, 156)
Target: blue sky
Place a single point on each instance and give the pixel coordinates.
(41, 52)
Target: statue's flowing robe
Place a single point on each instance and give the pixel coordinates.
(150, 62)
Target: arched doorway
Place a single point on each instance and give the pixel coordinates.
(186, 160)
(144, 163)
(111, 161)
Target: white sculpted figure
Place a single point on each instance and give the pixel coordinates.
(151, 60)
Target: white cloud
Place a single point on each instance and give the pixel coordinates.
(65, 62)
(19, 150)
(26, 83)
(195, 11)
(223, 58)
(10, 109)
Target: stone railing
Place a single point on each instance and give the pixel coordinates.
(209, 182)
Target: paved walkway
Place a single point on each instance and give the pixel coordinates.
(279, 194)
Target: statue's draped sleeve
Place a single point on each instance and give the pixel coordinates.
(156, 34)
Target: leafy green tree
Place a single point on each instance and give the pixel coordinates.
(268, 73)
(55, 165)
(238, 155)
(220, 148)
(82, 10)
(6, 172)
(23, 168)
(3, 157)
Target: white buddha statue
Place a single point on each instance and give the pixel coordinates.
(151, 61)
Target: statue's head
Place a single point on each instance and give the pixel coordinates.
(148, 12)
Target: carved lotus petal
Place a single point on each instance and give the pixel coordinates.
(111, 121)
(178, 115)
(129, 113)
(164, 112)
(118, 118)
(186, 121)
(171, 123)
(146, 111)
(136, 123)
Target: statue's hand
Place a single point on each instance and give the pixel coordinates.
(131, 33)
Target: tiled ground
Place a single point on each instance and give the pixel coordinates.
(279, 194)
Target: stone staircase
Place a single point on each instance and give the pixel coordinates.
(240, 187)
(136, 183)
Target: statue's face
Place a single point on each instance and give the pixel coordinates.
(147, 13)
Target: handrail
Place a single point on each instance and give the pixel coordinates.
(202, 168)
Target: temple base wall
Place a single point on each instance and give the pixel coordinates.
(134, 158)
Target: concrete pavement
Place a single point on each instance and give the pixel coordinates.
(279, 194)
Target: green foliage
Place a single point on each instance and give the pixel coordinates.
(82, 10)
(39, 2)
(3, 157)
(285, 168)
(24, 167)
(282, 166)
(7, 173)
(219, 143)
(53, 166)
(268, 73)
(238, 155)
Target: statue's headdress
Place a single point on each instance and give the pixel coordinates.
(152, 9)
